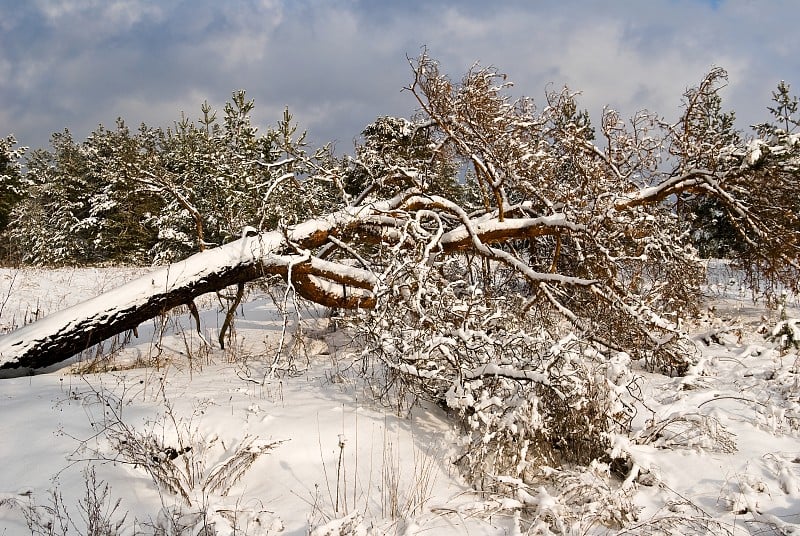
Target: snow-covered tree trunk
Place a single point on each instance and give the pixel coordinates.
(287, 253)
(586, 236)
(65, 333)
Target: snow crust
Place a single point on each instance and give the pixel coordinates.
(718, 447)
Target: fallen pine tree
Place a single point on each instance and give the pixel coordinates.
(590, 238)
(286, 253)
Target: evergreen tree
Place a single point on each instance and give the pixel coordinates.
(12, 185)
(117, 206)
(785, 118)
(396, 154)
(215, 178)
(714, 231)
(84, 205)
(50, 226)
(706, 134)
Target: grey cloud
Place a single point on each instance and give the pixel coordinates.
(338, 64)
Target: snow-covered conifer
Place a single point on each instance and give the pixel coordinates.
(12, 182)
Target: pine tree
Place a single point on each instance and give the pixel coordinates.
(215, 178)
(396, 154)
(84, 205)
(784, 114)
(49, 226)
(13, 185)
(706, 135)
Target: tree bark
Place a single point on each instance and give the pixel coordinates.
(65, 333)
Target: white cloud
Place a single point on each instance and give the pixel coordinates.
(340, 63)
(248, 33)
(116, 15)
(54, 10)
(126, 13)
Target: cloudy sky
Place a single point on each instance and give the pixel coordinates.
(338, 64)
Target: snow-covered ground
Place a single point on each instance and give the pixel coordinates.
(308, 451)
